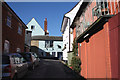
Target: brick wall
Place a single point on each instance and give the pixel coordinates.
(11, 33)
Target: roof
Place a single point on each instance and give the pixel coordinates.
(33, 19)
(71, 15)
(5, 4)
(54, 38)
(78, 14)
(64, 23)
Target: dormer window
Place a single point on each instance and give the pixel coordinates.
(32, 27)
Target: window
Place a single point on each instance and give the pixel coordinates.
(18, 50)
(48, 44)
(8, 21)
(20, 29)
(51, 43)
(6, 46)
(16, 59)
(53, 54)
(32, 27)
(22, 60)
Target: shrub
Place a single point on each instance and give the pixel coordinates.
(76, 63)
(75, 47)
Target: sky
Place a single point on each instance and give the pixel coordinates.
(53, 11)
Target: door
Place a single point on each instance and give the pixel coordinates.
(60, 54)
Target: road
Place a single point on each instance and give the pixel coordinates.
(51, 69)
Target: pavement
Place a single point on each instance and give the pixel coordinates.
(52, 69)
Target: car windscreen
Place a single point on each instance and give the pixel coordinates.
(5, 60)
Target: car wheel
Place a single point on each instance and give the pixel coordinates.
(15, 77)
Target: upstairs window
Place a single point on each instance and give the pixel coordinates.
(32, 27)
(8, 21)
(20, 29)
(51, 43)
(48, 44)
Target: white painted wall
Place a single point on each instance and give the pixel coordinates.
(66, 41)
(37, 30)
(65, 29)
(74, 11)
(71, 39)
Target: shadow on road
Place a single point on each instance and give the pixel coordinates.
(50, 69)
(70, 71)
(53, 58)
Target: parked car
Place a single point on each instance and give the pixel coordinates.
(13, 66)
(36, 59)
(30, 58)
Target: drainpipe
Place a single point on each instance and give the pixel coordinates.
(69, 33)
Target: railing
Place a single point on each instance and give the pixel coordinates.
(101, 8)
(100, 11)
(105, 7)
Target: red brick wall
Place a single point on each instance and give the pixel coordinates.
(11, 34)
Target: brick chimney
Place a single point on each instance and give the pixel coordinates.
(45, 27)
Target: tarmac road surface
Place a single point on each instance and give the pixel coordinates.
(52, 69)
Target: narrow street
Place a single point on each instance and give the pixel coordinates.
(51, 69)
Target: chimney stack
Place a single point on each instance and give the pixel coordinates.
(45, 27)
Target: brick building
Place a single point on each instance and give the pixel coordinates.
(13, 31)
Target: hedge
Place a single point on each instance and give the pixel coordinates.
(76, 64)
